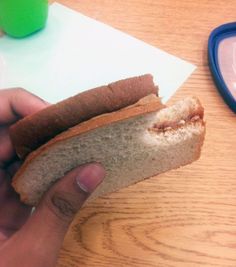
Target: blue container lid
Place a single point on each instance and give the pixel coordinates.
(222, 61)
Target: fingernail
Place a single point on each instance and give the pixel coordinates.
(44, 101)
(90, 176)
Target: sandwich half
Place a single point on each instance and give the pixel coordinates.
(133, 143)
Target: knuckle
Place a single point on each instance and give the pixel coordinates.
(19, 90)
(63, 205)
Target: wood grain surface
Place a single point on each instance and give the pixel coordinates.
(186, 217)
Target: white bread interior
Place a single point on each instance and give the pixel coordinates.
(128, 150)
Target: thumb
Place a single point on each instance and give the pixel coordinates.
(44, 232)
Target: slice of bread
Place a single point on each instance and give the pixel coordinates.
(133, 143)
(32, 131)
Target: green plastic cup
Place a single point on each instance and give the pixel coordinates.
(20, 18)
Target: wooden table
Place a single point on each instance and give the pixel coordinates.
(186, 217)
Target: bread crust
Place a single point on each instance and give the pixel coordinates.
(32, 131)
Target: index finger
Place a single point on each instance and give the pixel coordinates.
(17, 103)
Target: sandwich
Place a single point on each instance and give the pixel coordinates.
(124, 126)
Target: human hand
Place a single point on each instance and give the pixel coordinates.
(35, 240)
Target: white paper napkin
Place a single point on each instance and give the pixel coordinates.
(75, 53)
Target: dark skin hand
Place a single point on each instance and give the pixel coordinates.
(36, 240)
